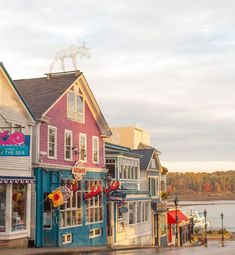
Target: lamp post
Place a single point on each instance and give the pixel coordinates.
(176, 201)
(222, 239)
(205, 213)
(108, 182)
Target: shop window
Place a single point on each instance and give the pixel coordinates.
(111, 165)
(83, 147)
(95, 149)
(2, 207)
(52, 142)
(121, 221)
(95, 232)
(68, 144)
(47, 214)
(18, 207)
(94, 205)
(75, 106)
(162, 224)
(71, 210)
(67, 238)
(131, 213)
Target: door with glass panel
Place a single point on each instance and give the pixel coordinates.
(50, 223)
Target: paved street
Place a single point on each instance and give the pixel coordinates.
(213, 248)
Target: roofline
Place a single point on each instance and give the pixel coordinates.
(78, 76)
(18, 93)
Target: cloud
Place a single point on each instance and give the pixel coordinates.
(166, 65)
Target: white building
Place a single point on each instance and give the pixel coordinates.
(16, 123)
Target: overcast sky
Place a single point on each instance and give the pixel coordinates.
(167, 66)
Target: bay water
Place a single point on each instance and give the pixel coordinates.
(214, 210)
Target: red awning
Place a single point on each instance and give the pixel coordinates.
(171, 217)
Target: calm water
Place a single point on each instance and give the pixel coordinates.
(214, 209)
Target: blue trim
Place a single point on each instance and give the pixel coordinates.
(47, 181)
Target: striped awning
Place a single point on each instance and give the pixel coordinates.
(16, 179)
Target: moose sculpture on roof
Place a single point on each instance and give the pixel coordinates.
(72, 52)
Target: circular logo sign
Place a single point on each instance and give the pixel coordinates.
(79, 171)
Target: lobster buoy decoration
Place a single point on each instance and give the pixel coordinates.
(114, 186)
(95, 191)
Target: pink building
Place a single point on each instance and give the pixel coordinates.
(68, 151)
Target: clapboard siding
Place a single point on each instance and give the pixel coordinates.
(13, 111)
(57, 117)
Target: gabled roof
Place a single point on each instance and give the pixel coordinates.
(42, 93)
(147, 156)
(17, 92)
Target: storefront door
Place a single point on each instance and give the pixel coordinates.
(50, 224)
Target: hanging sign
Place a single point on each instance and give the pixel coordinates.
(16, 144)
(79, 171)
(60, 195)
(117, 197)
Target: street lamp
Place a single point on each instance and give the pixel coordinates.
(176, 201)
(222, 240)
(205, 213)
(109, 182)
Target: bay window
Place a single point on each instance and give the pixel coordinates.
(13, 207)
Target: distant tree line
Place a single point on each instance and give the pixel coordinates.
(216, 182)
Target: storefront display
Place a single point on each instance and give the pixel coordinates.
(18, 207)
(2, 207)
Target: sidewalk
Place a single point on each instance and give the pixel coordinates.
(67, 250)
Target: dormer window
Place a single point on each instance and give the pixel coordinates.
(75, 106)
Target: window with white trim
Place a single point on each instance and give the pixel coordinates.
(67, 238)
(95, 149)
(154, 186)
(71, 210)
(95, 232)
(68, 144)
(83, 147)
(129, 169)
(52, 142)
(111, 166)
(75, 106)
(94, 205)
